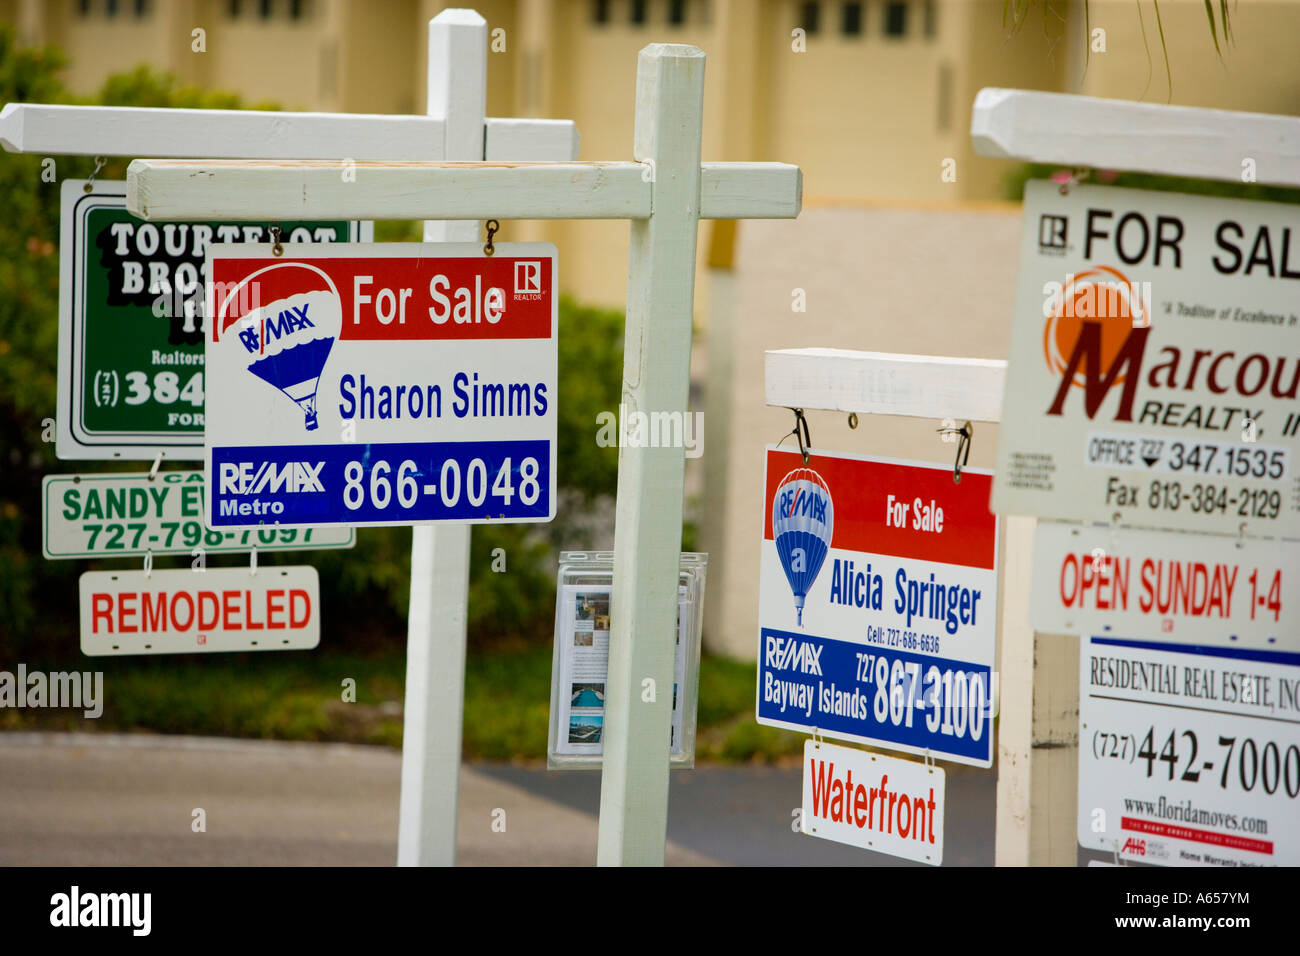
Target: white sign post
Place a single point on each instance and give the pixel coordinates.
(664, 192)
(1081, 131)
(455, 128)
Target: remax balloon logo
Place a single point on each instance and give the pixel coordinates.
(803, 520)
(289, 339)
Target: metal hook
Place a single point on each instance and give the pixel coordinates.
(90, 183)
(1072, 178)
(148, 564)
(929, 761)
(966, 432)
(252, 562)
(153, 472)
(805, 440)
(278, 248)
(492, 226)
(853, 419)
(816, 744)
(1241, 535)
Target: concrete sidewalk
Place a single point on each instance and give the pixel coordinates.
(127, 800)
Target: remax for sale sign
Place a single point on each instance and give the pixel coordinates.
(379, 385)
(878, 597)
(1155, 362)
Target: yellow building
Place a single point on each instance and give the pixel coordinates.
(871, 99)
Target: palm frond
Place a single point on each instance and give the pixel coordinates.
(1165, 47)
(1146, 45)
(1214, 33)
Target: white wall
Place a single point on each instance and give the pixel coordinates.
(889, 278)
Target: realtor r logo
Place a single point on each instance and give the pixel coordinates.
(1052, 234)
(528, 278)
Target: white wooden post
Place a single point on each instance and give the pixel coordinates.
(648, 529)
(1087, 131)
(664, 194)
(1038, 779)
(439, 612)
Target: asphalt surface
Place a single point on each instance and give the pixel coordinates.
(127, 800)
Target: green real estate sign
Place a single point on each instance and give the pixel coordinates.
(131, 304)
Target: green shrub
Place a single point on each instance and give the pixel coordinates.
(365, 590)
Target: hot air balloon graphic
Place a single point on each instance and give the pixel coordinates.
(803, 520)
(288, 338)
(296, 372)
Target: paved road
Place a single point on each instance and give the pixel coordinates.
(108, 799)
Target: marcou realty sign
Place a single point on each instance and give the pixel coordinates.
(1155, 362)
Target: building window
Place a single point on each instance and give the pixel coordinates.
(851, 19)
(943, 99)
(810, 17)
(895, 19)
(676, 12)
(638, 13)
(928, 14)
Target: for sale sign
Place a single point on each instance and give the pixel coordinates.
(186, 612)
(873, 801)
(1155, 362)
(130, 515)
(131, 294)
(381, 385)
(1189, 755)
(878, 596)
(1173, 586)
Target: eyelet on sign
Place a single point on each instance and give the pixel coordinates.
(492, 226)
(277, 249)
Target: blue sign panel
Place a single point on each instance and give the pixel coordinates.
(398, 483)
(876, 694)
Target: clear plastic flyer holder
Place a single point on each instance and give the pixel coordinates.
(580, 664)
